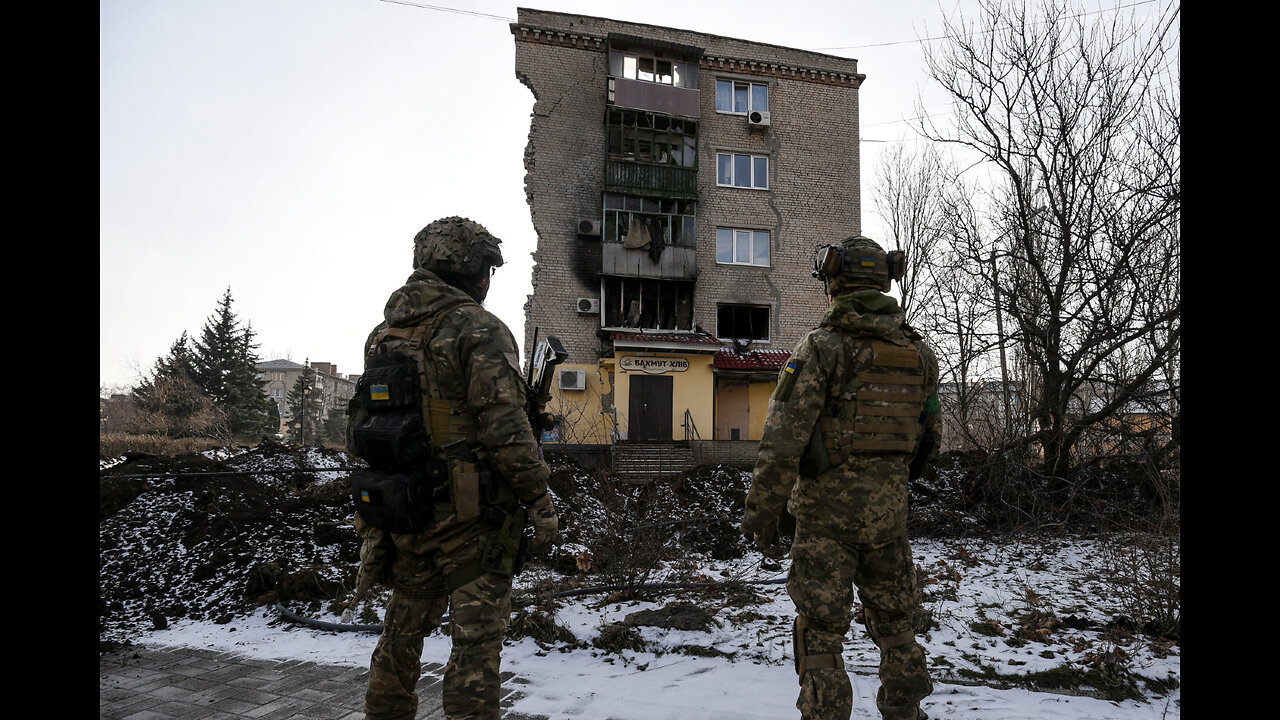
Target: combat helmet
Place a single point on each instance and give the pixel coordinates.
(456, 246)
(858, 262)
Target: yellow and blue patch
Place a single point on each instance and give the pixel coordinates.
(364, 496)
(379, 392)
(787, 380)
(868, 261)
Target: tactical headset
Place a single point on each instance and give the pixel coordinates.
(830, 260)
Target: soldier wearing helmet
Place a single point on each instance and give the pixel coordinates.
(854, 416)
(463, 446)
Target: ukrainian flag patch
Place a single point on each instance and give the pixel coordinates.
(787, 380)
(868, 261)
(379, 392)
(364, 496)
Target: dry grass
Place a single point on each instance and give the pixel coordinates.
(111, 445)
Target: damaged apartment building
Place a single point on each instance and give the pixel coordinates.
(678, 183)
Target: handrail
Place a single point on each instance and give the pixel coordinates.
(689, 425)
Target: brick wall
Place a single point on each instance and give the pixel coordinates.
(812, 195)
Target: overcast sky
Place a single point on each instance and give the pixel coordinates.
(290, 149)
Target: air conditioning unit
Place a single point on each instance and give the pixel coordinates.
(589, 305)
(756, 118)
(573, 379)
(588, 227)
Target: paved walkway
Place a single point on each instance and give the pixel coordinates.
(137, 683)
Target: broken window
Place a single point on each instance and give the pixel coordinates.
(653, 68)
(635, 221)
(647, 304)
(652, 137)
(742, 321)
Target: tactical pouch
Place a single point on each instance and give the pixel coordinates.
(395, 502)
(393, 441)
(501, 551)
(464, 485)
(815, 459)
(390, 434)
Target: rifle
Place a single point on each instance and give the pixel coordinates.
(547, 355)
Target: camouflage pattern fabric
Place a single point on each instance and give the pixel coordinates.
(850, 516)
(823, 573)
(477, 367)
(455, 244)
(478, 616)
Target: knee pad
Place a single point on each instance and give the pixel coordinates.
(887, 634)
(804, 662)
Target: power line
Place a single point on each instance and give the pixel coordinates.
(949, 37)
(441, 8)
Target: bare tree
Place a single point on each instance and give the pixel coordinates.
(907, 199)
(1076, 117)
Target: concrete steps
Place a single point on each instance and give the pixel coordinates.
(650, 461)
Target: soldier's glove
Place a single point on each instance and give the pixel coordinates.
(546, 525)
(761, 528)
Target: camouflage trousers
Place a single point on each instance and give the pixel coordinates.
(479, 611)
(821, 581)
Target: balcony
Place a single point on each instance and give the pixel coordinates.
(675, 262)
(632, 178)
(657, 97)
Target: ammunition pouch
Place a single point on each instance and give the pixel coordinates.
(387, 429)
(397, 502)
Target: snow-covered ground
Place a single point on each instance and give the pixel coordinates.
(986, 598)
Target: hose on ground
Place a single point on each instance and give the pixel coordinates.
(377, 627)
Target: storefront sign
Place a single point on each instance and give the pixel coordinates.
(653, 365)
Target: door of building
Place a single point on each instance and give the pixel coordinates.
(733, 410)
(650, 408)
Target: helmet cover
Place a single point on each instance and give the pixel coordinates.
(456, 245)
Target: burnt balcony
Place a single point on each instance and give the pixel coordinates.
(634, 178)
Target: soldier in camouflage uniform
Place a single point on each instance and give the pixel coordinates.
(477, 409)
(854, 413)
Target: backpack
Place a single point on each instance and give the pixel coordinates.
(388, 429)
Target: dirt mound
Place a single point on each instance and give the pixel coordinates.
(213, 535)
(203, 536)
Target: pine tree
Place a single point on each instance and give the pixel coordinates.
(171, 401)
(304, 401)
(227, 372)
(335, 427)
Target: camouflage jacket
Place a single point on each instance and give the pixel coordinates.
(863, 498)
(478, 365)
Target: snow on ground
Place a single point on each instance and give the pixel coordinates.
(979, 592)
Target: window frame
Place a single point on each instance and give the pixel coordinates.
(679, 217)
(752, 238)
(749, 308)
(678, 72)
(752, 94)
(753, 160)
(628, 132)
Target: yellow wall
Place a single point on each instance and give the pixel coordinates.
(589, 416)
(760, 394)
(691, 390)
(584, 416)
